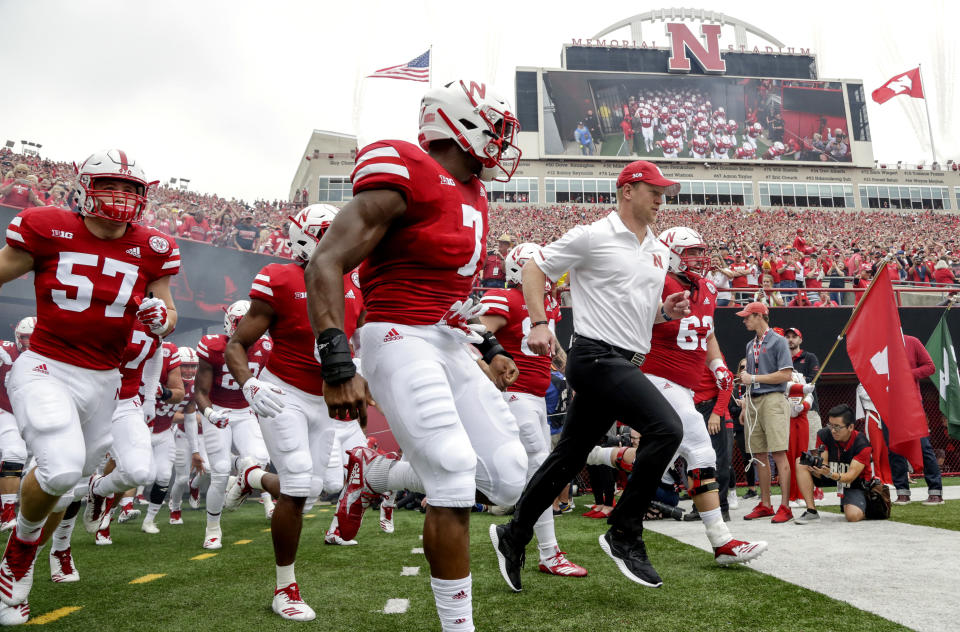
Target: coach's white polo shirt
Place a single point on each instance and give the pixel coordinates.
(615, 280)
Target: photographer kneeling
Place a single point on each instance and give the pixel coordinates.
(841, 458)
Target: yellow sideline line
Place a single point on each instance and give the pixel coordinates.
(267, 530)
(53, 615)
(243, 541)
(309, 515)
(203, 556)
(148, 578)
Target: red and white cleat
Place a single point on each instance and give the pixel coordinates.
(738, 552)
(127, 513)
(288, 604)
(16, 569)
(386, 519)
(357, 494)
(238, 489)
(213, 539)
(8, 517)
(560, 565)
(96, 508)
(103, 537)
(175, 517)
(62, 569)
(142, 500)
(336, 538)
(14, 615)
(194, 498)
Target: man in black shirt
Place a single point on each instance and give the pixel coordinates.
(246, 234)
(806, 364)
(846, 464)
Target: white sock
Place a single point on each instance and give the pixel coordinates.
(126, 502)
(152, 510)
(8, 499)
(285, 576)
(401, 476)
(254, 478)
(716, 528)
(267, 498)
(27, 530)
(600, 456)
(454, 598)
(389, 500)
(213, 520)
(546, 536)
(333, 525)
(216, 493)
(62, 534)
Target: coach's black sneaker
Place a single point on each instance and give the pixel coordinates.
(510, 555)
(691, 516)
(630, 555)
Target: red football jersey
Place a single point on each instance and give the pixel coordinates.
(427, 260)
(86, 286)
(18, 196)
(281, 286)
(167, 411)
(140, 347)
(14, 353)
(678, 348)
(224, 390)
(534, 369)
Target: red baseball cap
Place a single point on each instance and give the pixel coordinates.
(794, 330)
(644, 171)
(755, 307)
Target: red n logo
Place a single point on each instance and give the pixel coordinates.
(682, 40)
(478, 89)
(657, 261)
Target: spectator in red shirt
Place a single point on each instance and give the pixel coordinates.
(942, 274)
(862, 282)
(494, 274)
(800, 300)
(18, 191)
(196, 227)
(798, 243)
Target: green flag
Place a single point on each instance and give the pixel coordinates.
(946, 378)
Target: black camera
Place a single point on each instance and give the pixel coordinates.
(811, 459)
(667, 511)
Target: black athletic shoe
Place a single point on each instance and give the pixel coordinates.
(510, 556)
(630, 555)
(751, 493)
(691, 516)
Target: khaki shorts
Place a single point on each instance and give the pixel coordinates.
(767, 423)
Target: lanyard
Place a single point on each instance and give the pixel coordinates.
(757, 344)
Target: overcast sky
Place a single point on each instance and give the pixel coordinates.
(227, 93)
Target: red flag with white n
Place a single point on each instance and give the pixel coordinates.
(879, 357)
(907, 83)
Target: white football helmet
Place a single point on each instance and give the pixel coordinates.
(757, 126)
(720, 110)
(113, 205)
(233, 315)
(778, 146)
(188, 362)
(516, 258)
(479, 120)
(307, 227)
(23, 332)
(680, 239)
(732, 123)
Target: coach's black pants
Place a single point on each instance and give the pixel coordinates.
(608, 388)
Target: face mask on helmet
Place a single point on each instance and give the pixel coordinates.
(478, 120)
(234, 314)
(24, 331)
(307, 227)
(681, 241)
(188, 362)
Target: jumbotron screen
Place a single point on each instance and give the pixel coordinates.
(609, 114)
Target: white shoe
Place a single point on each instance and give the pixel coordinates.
(237, 488)
(176, 517)
(799, 504)
(149, 526)
(128, 513)
(95, 508)
(213, 539)
(334, 538)
(386, 519)
(103, 538)
(288, 604)
(14, 615)
(62, 568)
(268, 506)
(193, 497)
(733, 501)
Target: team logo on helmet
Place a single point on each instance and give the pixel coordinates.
(159, 245)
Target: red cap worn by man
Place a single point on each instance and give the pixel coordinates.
(755, 307)
(643, 171)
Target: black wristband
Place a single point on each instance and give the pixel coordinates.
(490, 347)
(333, 352)
(165, 393)
(663, 313)
(539, 322)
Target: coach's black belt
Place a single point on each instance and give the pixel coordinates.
(634, 357)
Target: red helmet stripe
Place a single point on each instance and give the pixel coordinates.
(123, 159)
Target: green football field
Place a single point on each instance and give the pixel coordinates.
(165, 582)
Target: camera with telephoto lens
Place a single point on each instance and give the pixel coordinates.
(811, 459)
(667, 511)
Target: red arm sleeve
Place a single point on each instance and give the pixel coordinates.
(921, 363)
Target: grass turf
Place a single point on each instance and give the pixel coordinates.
(349, 586)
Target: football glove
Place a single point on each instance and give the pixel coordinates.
(153, 315)
(218, 418)
(459, 315)
(263, 398)
(724, 377)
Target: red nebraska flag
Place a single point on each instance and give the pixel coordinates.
(876, 350)
(906, 83)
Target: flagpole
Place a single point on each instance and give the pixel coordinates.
(926, 104)
(881, 270)
(430, 73)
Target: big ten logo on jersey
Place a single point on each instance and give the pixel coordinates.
(525, 326)
(227, 382)
(693, 332)
(447, 181)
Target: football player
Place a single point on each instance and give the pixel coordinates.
(746, 151)
(721, 148)
(96, 272)
(13, 450)
(775, 151)
(289, 399)
(186, 446)
(679, 350)
(506, 315)
(699, 147)
(228, 417)
(418, 223)
(646, 128)
(170, 391)
(753, 133)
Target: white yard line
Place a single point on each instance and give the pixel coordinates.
(396, 606)
(417, 551)
(409, 571)
(893, 569)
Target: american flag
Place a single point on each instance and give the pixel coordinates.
(417, 69)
